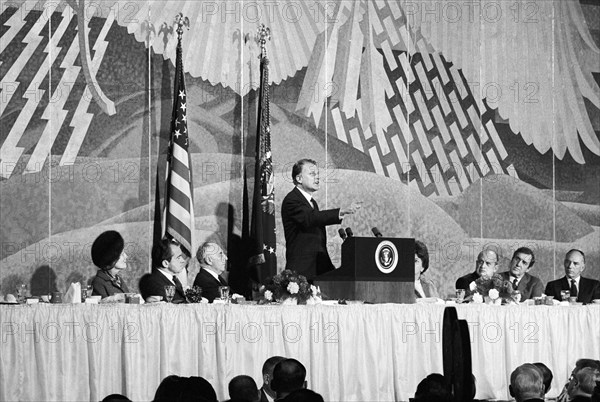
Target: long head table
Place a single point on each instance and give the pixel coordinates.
(352, 353)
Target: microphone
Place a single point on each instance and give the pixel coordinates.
(342, 234)
(376, 232)
(349, 232)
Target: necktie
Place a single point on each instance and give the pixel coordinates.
(573, 288)
(515, 284)
(314, 204)
(222, 280)
(178, 284)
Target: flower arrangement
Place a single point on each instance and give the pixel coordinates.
(289, 288)
(495, 289)
(194, 294)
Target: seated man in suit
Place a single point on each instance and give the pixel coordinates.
(486, 265)
(168, 260)
(527, 384)
(267, 394)
(584, 289)
(289, 375)
(518, 274)
(213, 262)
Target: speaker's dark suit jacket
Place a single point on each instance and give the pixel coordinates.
(104, 285)
(154, 285)
(305, 235)
(589, 289)
(464, 281)
(530, 286)
(209, 285)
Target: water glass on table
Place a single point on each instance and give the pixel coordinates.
(22, 293)
(565, 294)
(86, 291)
(169, 293)
(224, 292)
(516, 295)
(460, 295)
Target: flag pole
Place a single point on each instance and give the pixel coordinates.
(179, 202)
(263, 259)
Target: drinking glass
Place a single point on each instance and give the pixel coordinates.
(86, 291)
(169, 293)
(517, 296)
(22, 293)
(565, 294)
(460, 295)
(224, 292)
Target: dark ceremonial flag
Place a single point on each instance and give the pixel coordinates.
(263, 259)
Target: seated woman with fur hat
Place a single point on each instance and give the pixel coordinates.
(108, 254)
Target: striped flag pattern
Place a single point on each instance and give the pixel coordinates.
(179, 202)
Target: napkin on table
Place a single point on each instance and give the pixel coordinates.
(73, 294)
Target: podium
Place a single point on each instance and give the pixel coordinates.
(374, 269)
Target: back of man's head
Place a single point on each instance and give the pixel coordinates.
(434, 387)
(526, 382)
(243, 388)
(270, 363)
(288, 375)
(303, 395)
(185, 389)
(582, 363)
(546, 374)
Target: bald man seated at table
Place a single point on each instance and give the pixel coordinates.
(486, 265)
(213, 262)
(585, 289)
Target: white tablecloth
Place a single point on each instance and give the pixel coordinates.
(352, 353)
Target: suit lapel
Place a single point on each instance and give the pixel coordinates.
(301, 196)
(210, 278)
(583, 288)
(523, 283)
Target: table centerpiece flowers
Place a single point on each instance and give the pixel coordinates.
(492, 290)
(288, 287)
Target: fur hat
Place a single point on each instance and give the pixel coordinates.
(107, 249)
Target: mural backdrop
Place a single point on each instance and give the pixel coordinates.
(462, 124)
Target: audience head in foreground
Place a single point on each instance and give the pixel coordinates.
(303, 395)
(267, 373)
(581, 385)
(185, 389)
(546, 374)
(116, 398)
(288, 375)
(527, 383)
(243, 388)
(433, 388)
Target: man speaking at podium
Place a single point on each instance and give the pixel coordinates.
(304, 224)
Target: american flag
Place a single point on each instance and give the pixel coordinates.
(179, 201)
(263, 259)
